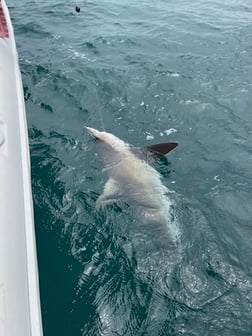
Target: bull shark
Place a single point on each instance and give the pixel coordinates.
(133, 180)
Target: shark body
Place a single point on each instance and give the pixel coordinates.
(133, 180)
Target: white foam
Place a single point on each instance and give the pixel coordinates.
(174, 74)
(170, 131)
(188, 101)
(149, 136)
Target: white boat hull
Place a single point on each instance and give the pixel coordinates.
(20, 313)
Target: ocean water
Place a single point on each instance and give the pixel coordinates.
(147, 71)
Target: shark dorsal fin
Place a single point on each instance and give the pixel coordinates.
(161, 149)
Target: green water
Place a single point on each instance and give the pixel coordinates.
(147, 72)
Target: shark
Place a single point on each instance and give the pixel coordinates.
(132, 179)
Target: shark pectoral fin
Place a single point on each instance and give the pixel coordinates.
(154, 152)
(111, 190)
(161, 149)
(102, 203)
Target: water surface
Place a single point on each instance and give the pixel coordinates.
(147, 72)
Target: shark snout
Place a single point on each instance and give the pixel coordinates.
(93, 132)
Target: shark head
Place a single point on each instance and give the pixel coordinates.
(157, 150)
(112, 149)
(108, 139)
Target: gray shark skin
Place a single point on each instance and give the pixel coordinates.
(133, 180)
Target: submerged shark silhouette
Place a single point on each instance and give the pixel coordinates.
(133, 180)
